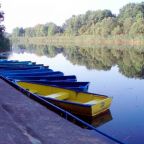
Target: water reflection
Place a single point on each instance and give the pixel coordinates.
(130, 61)
(98, 120)
(104, 68)
(95, 121)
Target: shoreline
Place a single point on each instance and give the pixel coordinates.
(80, 40)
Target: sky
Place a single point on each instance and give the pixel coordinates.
(28, 13)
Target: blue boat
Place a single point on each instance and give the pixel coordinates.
(22, 67)
(78, 86)
(28, 76)
(43, 78)
(3, 71)
(30, 73)
(47, 73)
(17, 63)
(5, 60)
(13, 61)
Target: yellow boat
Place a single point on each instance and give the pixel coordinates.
(81, 103)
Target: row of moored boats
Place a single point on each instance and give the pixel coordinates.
(62, 90)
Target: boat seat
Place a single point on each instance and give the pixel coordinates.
(59, 96)
(92, 102)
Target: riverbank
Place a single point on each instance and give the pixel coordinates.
(82, 41)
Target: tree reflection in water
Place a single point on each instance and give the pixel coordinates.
(129, 60)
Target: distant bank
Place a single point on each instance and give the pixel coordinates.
(85, 40)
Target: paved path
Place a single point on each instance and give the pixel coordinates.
(24, 121)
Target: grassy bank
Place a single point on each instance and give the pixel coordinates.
(81, 40)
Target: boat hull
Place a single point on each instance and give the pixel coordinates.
(80, 103)
(78, 86)
(78, 109)
(48, 73)
(3, 71)
(21, 68)
(43, 78)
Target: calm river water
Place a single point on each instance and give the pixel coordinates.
(111, 71)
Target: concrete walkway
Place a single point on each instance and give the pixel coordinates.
(24, 121)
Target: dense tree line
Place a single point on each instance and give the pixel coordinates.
(41, 30)
(129, 21)
(4, 42)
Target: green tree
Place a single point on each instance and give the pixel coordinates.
(84, 24)
(127, 25)
(53, 29)
(131, 10)
(40, 30)
(4, 42)
(137, 27)
(118, 30)
(29, 32)
(18, 32)
(2, 28)
(72, 25)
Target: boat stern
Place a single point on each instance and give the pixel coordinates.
(101, 106)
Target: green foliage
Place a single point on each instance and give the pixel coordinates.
(138, 28)
(2, 28)
(53, 29)
(131, 10)
(18, 32)
(127, 25)
(30, 32)
(131, 16)
(118, 30)
(103, 28)
(72, 25)
(40, 30)
(83, 24)
(4, 42)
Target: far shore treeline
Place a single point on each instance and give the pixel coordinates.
(128, 24)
